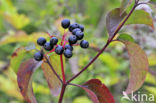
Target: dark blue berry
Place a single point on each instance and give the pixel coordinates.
(81, 27)
(48, 46)
(68, 53)
(65, 23)
(53, 41)
(59, 50)
(79, 35)
(73, 26)
(41, 41)
(68, 47)
(84, 44)
(75, 30)
(72, 39)
(38, 56)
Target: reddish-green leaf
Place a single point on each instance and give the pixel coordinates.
(139, 66)
(140, 17)
(113, 20)
(24, 79)
(53, 82)
(98, 92)
(124, 5)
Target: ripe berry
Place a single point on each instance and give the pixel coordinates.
(68, 47)
(84, 44)
(38, 56)
(65, 23)
(72, 39)
(81, 27)
(53, 41)
(68, 53)
(41, 41)
(79, 35)
(59, 49)
(48, 46)
(73, 26)
(75, 30)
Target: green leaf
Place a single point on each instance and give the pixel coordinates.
(113, 20)
(17, 57)
(24, 79)
(126, 37)
(21, 37)
(53, 82)
(124, 5)
(139, 66)
(140, 17)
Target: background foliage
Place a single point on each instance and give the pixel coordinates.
(22, 21)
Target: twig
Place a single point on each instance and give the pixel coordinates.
(106, 45)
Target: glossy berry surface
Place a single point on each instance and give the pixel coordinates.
(73, 26)
(75, 30)
(68, 53)
(84, 44)
(47, 46)
(72, 39)
(68, 47)
(81, 27)
(79, 35)
(41, 41)
(38, 56)
(53, 41)
(59, 50)
(65, 23)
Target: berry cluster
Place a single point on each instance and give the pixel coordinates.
(77, 34)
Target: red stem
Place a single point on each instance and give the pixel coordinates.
(62, 68)
(62, 93)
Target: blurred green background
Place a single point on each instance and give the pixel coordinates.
(22, 20)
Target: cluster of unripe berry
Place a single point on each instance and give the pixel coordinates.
(77, 34)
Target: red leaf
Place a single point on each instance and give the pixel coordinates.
(25, 81)
(98, 92)
(139, 66)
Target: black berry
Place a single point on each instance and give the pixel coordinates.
(59, 49)
(79, 35)
(41, 41)
(68, 47)
(53, 41)
(68, 53)
(72, 39)
(65, 23)
(73, 26)
(81, 27)
(38, 56)
(84, 44)
(48, 46)
(75, 30)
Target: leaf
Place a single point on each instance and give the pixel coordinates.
(139, 66)
(53, 82)
(140, 17)
(126, 37)
(17, 57)
(97, 91)
(21, 36)
(124, 5)
(24, 79)
(113, 20)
